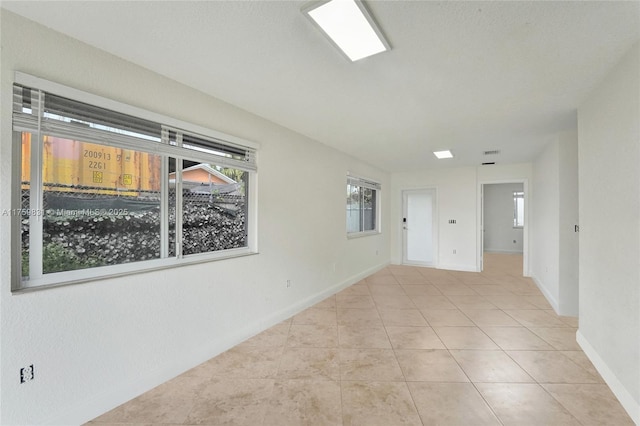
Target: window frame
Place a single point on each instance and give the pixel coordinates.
(55, 279)
(363, 183)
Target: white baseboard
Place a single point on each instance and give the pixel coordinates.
(103, 402)
(624, 396)
(552, 300)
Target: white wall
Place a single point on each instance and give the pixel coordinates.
(499, 234)
(99, 344)
(457, 198)
(568, 237)
(545, 226)
(554, 257)
(609, 158)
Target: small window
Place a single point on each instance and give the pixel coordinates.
(104, 193)
(362, 206)
(518, 209)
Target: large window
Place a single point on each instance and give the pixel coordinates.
(103, 193)
(362, 206)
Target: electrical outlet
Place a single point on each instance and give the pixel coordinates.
(288, 283)
(454, 251)
(27, 374)
(514, 241)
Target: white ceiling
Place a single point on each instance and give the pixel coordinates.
(466, 76)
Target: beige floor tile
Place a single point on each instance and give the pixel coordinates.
(464, 338)
(451, 404)
(359, 317)
(490, 366)
(516, 338)
(356, 289)
(328, 303)
(551, 367)
(316, 316)
(402, 317)
(525, 404)
(393, 302)
(287, 375)
(314, 336)
(581, 359)
(369, 364)
(591, 404)
(538, 301)
(363, 337)
(491, 290)
(272, 337)
(491, 318)
(535, 318)
(232, 402)
(354, 301)
(429, 365)
(241, 362)
(471, 302)
(304, 403)
(446, 318)
(386, 290)
(404, 270)
(181, 387)
(382, 279)
(563, 339)
(378, 404)
(455, 289)
(473, 279)
(570, 321)
(151, 410)
(413, 338)
(413, 279)
(432, 302)
(421, 290)
(506, 301)
(310, 364)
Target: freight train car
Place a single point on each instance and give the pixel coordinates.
(74, 166)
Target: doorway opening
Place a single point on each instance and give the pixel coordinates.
(503, 225)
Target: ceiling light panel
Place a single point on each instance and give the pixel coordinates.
(349, 26)
(443, 154)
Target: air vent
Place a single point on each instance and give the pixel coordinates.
(492, 152)
(489, 164)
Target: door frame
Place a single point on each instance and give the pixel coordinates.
(434, 229)
(525, 229)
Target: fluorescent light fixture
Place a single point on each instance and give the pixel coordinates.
(349, 26)
(443, 154)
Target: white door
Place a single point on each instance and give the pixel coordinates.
(418, 226)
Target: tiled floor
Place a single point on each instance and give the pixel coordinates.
(406, 346)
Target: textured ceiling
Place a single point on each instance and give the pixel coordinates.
(465, 76)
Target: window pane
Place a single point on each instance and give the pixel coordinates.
(518, 209)
(101, 205)
(25, 205)
(353, 208)
(214, 208)
(369, 209)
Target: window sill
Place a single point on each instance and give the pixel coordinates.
(63, 279)
(362, 234)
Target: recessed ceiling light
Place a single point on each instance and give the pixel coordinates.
(349, 26)
(443, 154)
